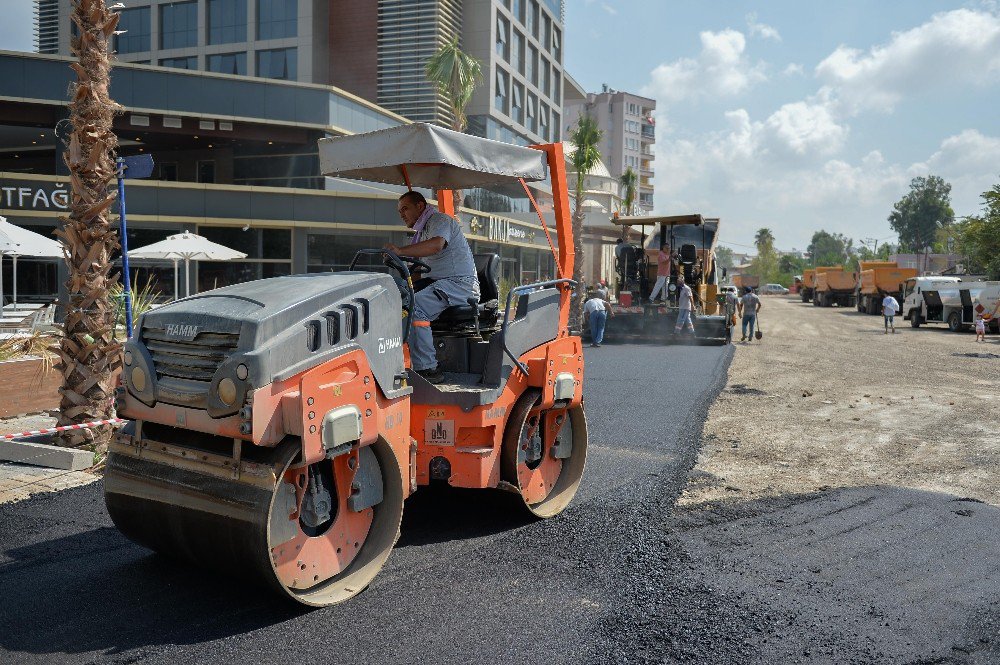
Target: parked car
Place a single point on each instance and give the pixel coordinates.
(773, 290)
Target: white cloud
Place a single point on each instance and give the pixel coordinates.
(721, 69)
(761, 30)
(793, 69)
(804, 127)
(609, 9)
(956, 47)
(747, 175)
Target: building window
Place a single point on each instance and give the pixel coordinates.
(227, 21)
(531, 65)
(517, 9)
(502, 47)
(517, 103)
(532, 114)
(136, 23)
(189, 62)
(228, 63)
(556, 127)
(531, 19)
(545, 76)
(269, 254)
(178, 25)
(556, 45)
(167, 171)
(547, 33)
(277, 64)
(206, 171)
(543, 120)
(277, 19)
(516, 51)
(500, 100)
(556, 87)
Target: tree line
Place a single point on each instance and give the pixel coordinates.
(924, 222)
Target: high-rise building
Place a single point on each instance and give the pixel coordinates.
(279, 39)
(629, 134)
(375, 49)
(520, 43)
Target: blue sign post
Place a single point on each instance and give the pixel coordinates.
(138, 166)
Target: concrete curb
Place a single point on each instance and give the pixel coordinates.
(40, 454)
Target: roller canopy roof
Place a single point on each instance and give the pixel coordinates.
(674, 220)
(433, 157)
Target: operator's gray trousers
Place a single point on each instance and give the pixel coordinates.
(429, 302)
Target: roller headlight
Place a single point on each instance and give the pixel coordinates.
(227, 391)
(138, 377)
(128, 357)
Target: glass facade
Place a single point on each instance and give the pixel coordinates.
(269, 254)
(326, 251)
(178, 25)
(136, 24)
(228, 63)
(277, 64)
(189, 62)
(227, 21)
(277, 19)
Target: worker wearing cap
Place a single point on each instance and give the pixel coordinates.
(452, 280)
(685, 304)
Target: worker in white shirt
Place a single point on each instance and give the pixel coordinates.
(596, 310)
(889, 308)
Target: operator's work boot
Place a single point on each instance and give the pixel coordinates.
(434, 376)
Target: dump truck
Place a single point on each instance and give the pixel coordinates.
(743, 281)
(808, 286)
(275, 427)
(692, 239)
(951, 300)
(835, 287)
(877, 282)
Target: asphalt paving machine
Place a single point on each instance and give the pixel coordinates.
(691, 239)
(275, 430)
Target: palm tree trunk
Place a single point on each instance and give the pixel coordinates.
(88, 352)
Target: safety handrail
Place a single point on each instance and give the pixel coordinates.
(524, 288)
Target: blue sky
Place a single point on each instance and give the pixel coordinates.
(792, 114)
(803, 115)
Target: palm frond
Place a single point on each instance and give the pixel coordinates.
(456, 74)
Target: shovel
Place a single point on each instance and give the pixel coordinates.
(758, 333)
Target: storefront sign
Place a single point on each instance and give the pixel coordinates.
(45, 197)
(501, 229)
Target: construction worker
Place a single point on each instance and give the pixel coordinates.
(732, 303)
(749, 306)
(685, 305)
(452, 280)
(662, 274)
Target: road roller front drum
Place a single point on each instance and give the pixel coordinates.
(320, 533)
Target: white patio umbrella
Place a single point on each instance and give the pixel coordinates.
(189, 247)
(16, 241)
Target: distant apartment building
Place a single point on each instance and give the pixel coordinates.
(629, 134)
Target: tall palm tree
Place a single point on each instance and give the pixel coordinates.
(629, 182)
(88, 353)
(585, 136)
(456, 75)
(763, 236)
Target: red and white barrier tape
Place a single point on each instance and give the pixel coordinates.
(52, 430)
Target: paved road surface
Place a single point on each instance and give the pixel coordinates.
(468, 581)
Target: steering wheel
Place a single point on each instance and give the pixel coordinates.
(403, 277)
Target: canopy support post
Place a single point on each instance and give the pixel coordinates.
(446, 202)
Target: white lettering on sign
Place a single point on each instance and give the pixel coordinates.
(500, 229)
(184, 331)
(35, 198)
(389, 344)
(439, 432)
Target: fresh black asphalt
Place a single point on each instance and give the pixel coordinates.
(863, 574)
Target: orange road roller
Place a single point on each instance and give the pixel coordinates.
(275, 428)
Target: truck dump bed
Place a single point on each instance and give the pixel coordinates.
(836, 280)
(885, 279)
(741, 281)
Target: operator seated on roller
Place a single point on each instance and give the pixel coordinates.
(452, 280)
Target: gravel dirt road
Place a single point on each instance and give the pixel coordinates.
(846, 494)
